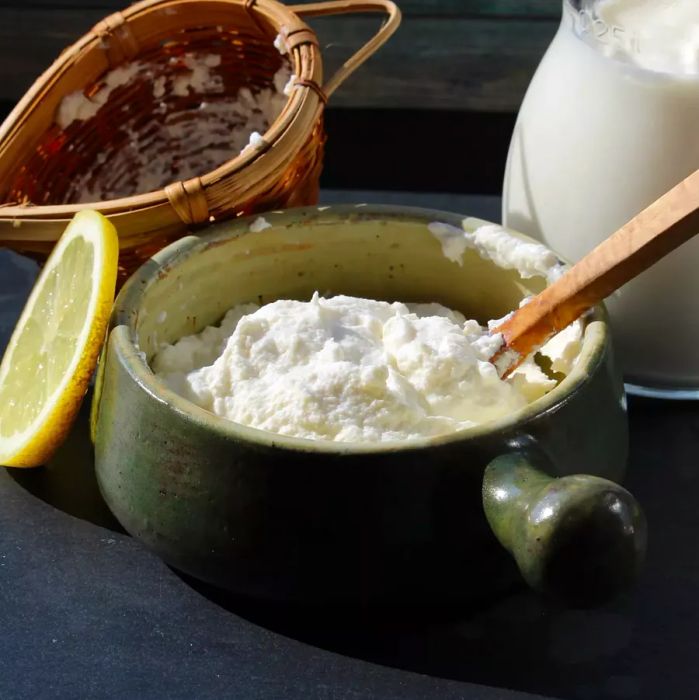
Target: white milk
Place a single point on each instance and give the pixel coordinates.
(610, 123)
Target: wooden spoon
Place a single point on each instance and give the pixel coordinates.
(656, 231)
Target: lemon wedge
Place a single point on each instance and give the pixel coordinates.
(54, 348)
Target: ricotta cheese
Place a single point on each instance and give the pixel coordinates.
(494, 243)
(349, 369)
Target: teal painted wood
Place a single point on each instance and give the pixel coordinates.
(469, 65)
(478, 8)
(431, 63)
(420, 8)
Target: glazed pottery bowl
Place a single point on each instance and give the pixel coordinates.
(314, 521)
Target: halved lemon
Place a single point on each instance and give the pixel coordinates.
(54, 348)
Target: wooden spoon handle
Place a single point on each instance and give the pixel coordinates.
(658, 230)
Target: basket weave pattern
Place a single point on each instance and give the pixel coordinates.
(43, 166)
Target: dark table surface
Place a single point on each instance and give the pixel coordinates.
(86, 612)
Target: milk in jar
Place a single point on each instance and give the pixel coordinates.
(610, 123)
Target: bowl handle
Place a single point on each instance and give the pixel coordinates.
(337, 7)
(580, 539)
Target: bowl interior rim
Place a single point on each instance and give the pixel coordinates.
(125, 314)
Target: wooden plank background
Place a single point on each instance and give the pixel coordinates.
(461, 55)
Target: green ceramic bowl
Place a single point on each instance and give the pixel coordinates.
(298, 520)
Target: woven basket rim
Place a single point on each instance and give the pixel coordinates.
(294, 137)
(304, 99)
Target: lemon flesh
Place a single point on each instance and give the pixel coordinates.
(54, 348)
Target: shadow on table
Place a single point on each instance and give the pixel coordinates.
(517, 641)
(642, 647)
(68, 481)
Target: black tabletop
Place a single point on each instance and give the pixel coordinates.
(87, 612)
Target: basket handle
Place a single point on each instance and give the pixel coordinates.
(342, 7)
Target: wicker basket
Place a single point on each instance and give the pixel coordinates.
(40, 161)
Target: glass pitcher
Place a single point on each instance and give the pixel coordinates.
(610, 122)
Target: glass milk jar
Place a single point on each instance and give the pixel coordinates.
(610, 123)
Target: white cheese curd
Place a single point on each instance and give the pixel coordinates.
(77, 107)
(260, 224)
(494, 243)
(349, 369)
